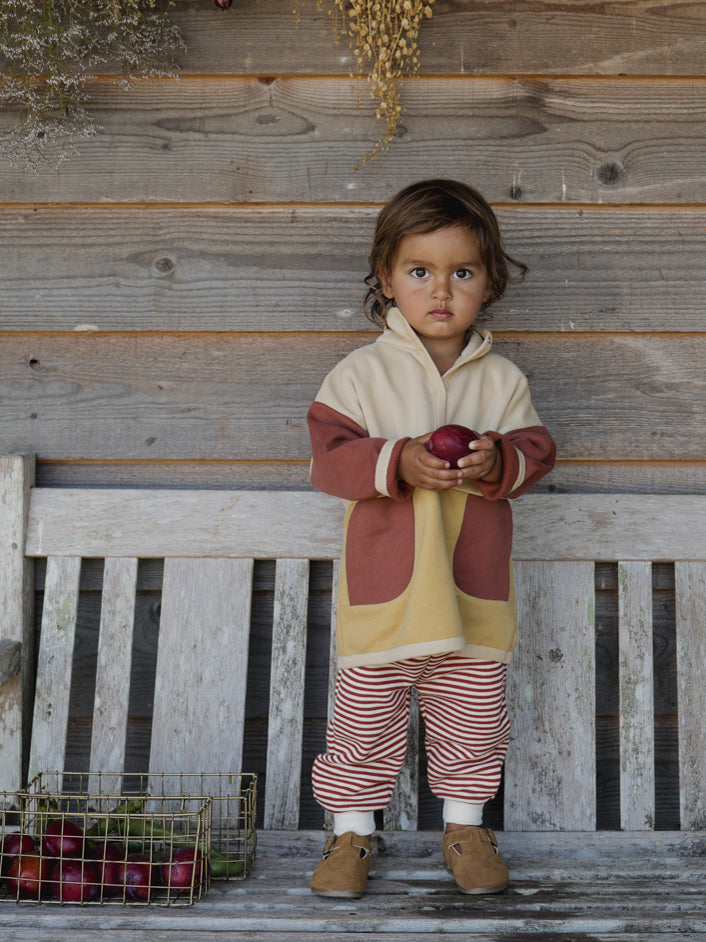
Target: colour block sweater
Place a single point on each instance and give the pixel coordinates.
(423, 572)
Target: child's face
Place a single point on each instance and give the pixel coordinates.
(439, 283)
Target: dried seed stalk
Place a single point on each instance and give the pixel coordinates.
(383, 37)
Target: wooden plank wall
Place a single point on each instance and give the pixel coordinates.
(171, 298)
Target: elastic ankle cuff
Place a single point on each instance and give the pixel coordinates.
(360, 822)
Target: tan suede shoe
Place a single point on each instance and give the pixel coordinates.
(343, 869)
(473, 857)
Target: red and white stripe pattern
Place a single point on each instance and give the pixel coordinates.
(467, 731)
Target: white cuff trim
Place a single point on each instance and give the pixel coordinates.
(522, 472)
(382, 467)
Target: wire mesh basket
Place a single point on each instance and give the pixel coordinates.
(99, 838)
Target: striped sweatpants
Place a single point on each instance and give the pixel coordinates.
(466, 724)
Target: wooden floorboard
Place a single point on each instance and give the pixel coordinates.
(579, 887)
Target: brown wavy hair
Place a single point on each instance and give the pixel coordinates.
(426, 207)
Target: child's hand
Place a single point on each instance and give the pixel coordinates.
(485, 461)
(420, 468)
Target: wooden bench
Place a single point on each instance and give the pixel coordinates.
(569, 878)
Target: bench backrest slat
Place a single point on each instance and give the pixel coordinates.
(551, 769)
(112, 692)
(402, 813)
(55, 664)
(636, 688)
(690, 604)
(158, 524)
(277, 524)
(202, 665)
(286, 707)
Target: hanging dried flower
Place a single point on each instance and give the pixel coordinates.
(384, 42)
(48, 49)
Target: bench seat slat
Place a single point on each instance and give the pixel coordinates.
(690, 604)
(112, 694)
(287, 672)
(54, 665)
(636, 687)
(550, 776)
(202, 665)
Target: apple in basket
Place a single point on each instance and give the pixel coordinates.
(138, 875)
(107, 858)
(15, 843)
(62, 838)
(74, 881)
(27, 876)
(450, 442)
(183, 869)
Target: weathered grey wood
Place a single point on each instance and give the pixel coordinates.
(171, 523)
(54, 665)
(563, 886)
(179, 269)
(113, 671)
(287, 673)
(463, 39)
(332, 663)
(333, 649)
(262, 935)
(300, 139)
(245, 396)
(550, 775)
(16, 619)
(572, 477)
(607, 527)
(155, 523)
(10, 660)
(402, 813)
(202, 666)
(637, 753)
(690, 603)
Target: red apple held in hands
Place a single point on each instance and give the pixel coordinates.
(450, 442)
(62, 838)
(13, 844)
(27, 876)
(183, 869)
(138, 876)
(74, 881)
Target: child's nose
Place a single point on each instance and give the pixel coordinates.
(441, 290)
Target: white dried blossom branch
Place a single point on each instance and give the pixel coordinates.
(48, 51)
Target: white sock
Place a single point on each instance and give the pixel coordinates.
(463, 812)
(360, 822)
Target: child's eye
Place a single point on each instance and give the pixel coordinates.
(419, 273)
(463, 274)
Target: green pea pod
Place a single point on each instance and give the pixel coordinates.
(115, 820)
(221, 867)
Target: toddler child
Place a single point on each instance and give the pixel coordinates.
(426, 596)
